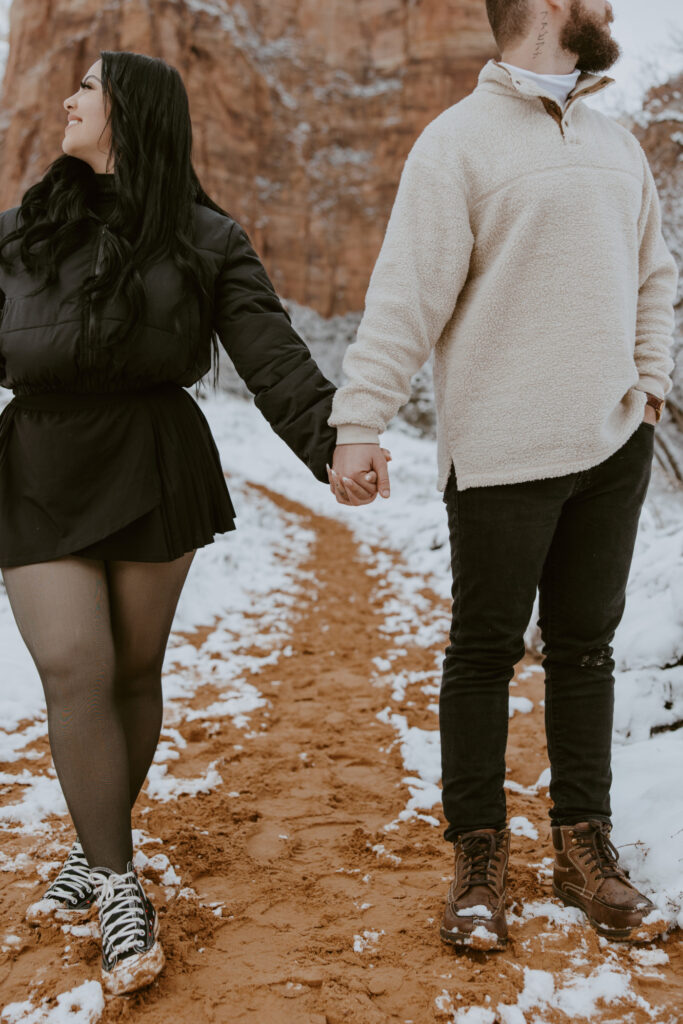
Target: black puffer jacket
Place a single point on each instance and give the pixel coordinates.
(42, 346)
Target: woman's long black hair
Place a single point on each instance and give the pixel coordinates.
(156, 188)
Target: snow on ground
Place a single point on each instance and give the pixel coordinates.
(578, 996)
(81, 1005)
(240, 584)
(648, 755)
(241, 573)
(238, 573)
(243, 586)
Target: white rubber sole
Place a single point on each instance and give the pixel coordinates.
(135, 972)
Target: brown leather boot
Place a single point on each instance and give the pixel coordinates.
(587, 875)
(474, 914)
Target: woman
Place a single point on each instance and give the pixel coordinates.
(117, 272)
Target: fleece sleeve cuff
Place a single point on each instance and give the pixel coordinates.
(351, 434)
(652, 386)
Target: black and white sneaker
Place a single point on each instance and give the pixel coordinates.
(70, 897)
(131, 955)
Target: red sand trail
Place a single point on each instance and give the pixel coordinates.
(289, 862)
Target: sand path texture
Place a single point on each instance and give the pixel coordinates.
(297, 888)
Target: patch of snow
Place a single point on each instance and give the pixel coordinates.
(22, 862)
(40, 797)
(81, 1005)
(479, 911)
(380, 851)
(520, 826)
(420, 748)
(649, 957)
(521, 704)
(164, 787)
(366, 940)
(470, 1015)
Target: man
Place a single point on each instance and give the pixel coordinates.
(525, 247)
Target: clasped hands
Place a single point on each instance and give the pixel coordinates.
(359, 473)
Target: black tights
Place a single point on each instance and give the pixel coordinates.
(97, 632)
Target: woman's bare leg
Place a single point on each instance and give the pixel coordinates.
(143, 597)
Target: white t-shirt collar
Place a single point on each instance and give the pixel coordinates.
(558, 86)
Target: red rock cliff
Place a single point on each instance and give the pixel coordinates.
(303, 110)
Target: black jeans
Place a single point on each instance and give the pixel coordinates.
(572, 537)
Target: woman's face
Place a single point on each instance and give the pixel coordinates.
(85, 136)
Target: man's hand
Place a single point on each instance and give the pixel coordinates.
(358, 472)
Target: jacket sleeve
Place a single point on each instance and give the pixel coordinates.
(657, 283)
(422, 265)
(270, 357)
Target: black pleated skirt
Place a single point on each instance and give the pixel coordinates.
(132, 475)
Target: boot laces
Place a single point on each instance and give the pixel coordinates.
(74, 882)
(601, 851)
(480, 851)
(122, 914)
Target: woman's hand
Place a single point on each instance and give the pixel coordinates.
(358, 472)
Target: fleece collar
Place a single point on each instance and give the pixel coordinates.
(494, 76)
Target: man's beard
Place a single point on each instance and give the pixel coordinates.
(588, 36)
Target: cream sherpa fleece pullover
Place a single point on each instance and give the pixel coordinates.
(525, 247)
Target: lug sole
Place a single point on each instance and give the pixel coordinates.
(479, 943)
(634, 933)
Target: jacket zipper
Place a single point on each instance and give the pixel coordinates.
(91, 317)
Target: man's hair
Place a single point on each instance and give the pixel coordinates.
(509, 19)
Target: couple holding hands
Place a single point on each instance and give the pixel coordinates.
(524, 250)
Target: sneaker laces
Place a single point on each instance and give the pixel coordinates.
(122, 914)
(601, 851)
(480, 851)
(74, 882)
